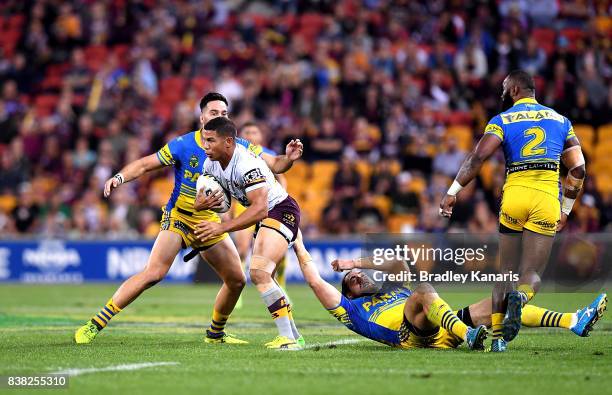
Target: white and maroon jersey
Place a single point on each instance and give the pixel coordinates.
(244, 173)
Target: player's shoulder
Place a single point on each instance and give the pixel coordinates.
(495, 127)
(257, 150)
(246, 156)
(184, 140)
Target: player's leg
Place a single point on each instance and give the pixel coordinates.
(509, 256)
(279, 274)
(580, 322)
(269, 248)
(225, 261)
(243, 239)
(538, 237)
(426, 311)
(165, 249)
(535, 253)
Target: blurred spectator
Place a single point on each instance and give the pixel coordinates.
(448, 162)
(25, 214)
(327, 145)
(533, 60)
(87, 89)
(405, 200)
(369, 219)
(472, 62)
(347, 181)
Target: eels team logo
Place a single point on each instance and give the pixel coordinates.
(193, 162)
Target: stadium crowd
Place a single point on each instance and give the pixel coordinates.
(387, 96)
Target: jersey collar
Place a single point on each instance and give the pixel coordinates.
(198, 138)
(526, 100)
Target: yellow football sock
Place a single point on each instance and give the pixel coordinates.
(441, 314)
(497, 320)
(107, 312)
(217, 323)
(535, 316)
(526, 292)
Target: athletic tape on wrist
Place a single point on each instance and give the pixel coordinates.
(120, 178)
(566, 205)
(454, 188)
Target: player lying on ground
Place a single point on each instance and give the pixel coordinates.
(186, 154)
(535, 140)
(276, 214)
(399, 317)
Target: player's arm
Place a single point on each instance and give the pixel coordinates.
(395, 266)
(132, 171)
(469, 170)
(258, 210)
(573, 159)
(281, 163)
(281, 180)
(327, 294)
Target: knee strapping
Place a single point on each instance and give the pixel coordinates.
(262, 263)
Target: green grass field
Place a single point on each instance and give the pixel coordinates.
(166, 325)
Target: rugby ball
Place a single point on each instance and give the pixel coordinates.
(210, 184)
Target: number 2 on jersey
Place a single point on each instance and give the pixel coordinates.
(532, 147)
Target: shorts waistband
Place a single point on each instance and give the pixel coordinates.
(551, 166)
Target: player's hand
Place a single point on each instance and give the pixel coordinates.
(447, 204)
(111, 184)
(562, 222)
(203, 202)
(207, 230)
(343, 264)
(294, 150)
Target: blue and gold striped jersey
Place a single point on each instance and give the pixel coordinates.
(377, 317)
(533, 137)
(186, 154)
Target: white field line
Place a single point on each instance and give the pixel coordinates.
(114, 368)
(335, 343)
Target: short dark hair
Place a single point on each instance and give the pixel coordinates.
(345, 287)
(212, 96)
(248, 124)
(221, 125)
(522, 79)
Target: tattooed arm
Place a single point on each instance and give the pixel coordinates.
(469, 170)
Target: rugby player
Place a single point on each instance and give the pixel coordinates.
(535, 140)
(186, 154)
(276, 214)
(243, 238)
(399, 317)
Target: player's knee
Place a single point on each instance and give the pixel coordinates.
(424, 289)
(424, 294)
(236, 284)
(261, 269)
(259, 276)
(154, 276)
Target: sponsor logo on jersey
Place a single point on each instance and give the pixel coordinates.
(546, 224)
(539, 115)
(253, 177)
(194, 162)
(289, 217)
(181, 226)
(509, 218)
